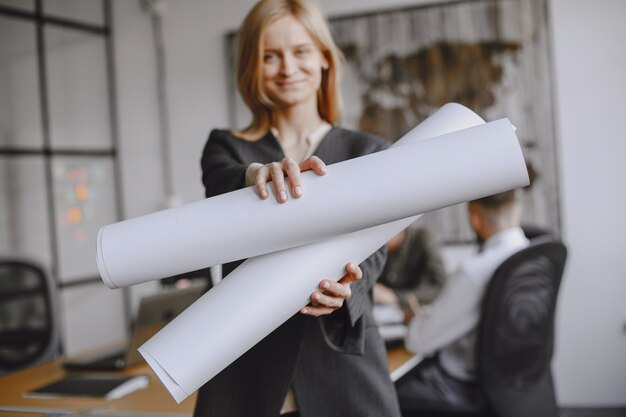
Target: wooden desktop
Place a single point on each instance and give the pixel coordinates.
(153, 401)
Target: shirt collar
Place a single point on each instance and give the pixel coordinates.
(512, 235)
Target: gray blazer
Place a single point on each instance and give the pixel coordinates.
(336, 364)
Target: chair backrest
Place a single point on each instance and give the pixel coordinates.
(515, 336)
(29, 322)
(532, 231)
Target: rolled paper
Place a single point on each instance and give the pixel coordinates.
(402, 181)
(255, 307)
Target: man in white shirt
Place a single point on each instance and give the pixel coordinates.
(445, 330)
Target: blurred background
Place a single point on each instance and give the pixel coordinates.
(105, 107)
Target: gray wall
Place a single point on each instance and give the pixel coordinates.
(590, 97)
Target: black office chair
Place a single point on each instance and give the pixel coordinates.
(514, 340)
(29, 323)
(515, 337)
(534, 232)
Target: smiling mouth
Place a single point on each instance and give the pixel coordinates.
(287, 84)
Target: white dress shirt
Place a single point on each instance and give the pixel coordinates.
(449, 324)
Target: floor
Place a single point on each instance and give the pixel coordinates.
(593, 412)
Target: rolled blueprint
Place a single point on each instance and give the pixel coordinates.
(386, 186)
(267, 284)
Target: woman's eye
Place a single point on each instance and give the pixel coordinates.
(269, 57)
(301, 51)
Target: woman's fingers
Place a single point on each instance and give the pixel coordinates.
(292, 170)
(332, 295)
(260, 181)
(276, 172)
(335, 289)
(353, 273)
(316, 311)
(278, 179)
(327, 300)
(315, 164)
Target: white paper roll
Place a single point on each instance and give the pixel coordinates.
(385, 186)
(235, 303)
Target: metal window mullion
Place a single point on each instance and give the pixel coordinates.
(80, 282)
(45, 125)
(38, 16)
(94, 153)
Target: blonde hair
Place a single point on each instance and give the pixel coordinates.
(250, 59)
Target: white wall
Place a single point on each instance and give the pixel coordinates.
(590, 63)
(590, 361)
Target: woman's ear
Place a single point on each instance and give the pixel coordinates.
(476, 219)
(325, 64)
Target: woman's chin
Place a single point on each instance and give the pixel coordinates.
(294, 98)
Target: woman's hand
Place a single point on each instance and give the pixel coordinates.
(259, 175)
(332, 295)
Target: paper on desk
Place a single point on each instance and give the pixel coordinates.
(420, 177)
(238, 301)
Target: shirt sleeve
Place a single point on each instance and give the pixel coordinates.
(452, 315)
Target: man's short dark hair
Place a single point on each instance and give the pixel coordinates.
(496, 201)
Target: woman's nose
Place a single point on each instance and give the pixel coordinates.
(289, 65)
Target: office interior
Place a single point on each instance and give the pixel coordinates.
(125, 93)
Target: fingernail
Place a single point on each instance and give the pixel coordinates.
(305, 311)
(326, 284)
(263, 194)
(316, 296)
(323, 170)
(298, 191)
(283, 196)
(351, 267)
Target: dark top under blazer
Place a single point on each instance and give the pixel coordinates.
(336, 364)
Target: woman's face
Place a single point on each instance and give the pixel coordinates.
(292, 63)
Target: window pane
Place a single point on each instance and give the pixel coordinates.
(78, 94)
(19, 4)
(24, 225)
(20, 116)
(84, 201)
(84, 11)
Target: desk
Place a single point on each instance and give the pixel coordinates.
(153, 401)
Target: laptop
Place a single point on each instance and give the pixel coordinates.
(154, 312)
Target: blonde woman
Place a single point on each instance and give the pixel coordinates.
(327, 360)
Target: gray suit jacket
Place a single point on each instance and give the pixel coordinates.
(336, 364)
